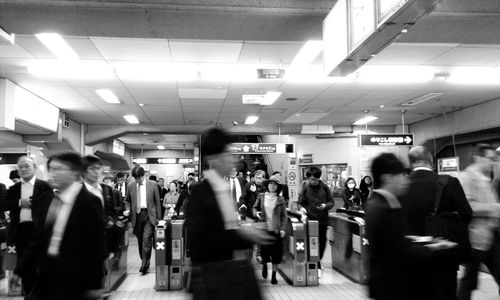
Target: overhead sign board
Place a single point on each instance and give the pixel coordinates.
(260, 148)
(162, 160)
(306, 159)
(386, 139)
(448, 166)
(270, 73)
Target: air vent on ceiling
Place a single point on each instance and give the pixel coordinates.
(421, 99)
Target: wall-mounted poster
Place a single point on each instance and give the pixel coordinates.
(448, 166)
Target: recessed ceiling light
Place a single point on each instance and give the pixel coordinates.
(108, 96)
(160, 147)
(251, 120)
(141, 104)
(381, 106)
(365, 120)
(57, 45)
(131, 119)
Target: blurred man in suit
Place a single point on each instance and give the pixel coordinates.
(417, 204)
(235, 186)
(27, 201)
(69, 251)
(144, 199)
(250, 193)
(121, 185)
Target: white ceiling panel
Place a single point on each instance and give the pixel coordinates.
(202, 93)
(274, 53)
(132, 48)
(466, 56)
(120, 92)
(409, 54)
(166, 92)
(304, 118)
(157, 103)
(201, 115)
(13, 51)
(94, 117)
(159, 118)
(207, 52)
(28, 81)
(84, 47)
(99, 83)
(71, 103)
(33, 46)
(230, 109)
(171, 108)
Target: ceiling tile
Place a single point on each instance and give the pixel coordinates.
(466, 56)
(202, 93)
(207, 52)
(409, 54)
(167, 92)
(276, 53)
(84, 47)
(200, 108)
(33, 46)
(13, 51)
(304, 118)
(132, 48)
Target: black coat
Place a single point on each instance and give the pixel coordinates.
(209, 241)
(79, 266)
(419, 200)
(248, 197)
(392, 258)
(42, 196)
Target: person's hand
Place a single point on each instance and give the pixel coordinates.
(14, 280)
(440, 244)
(126, 213)
(258, 215)
(256, 236)
(253, 188)
(322, 206)
(352, 197)
(25, 203)
(282, 233)
(95, 294)
(303, 211)
(243, 207)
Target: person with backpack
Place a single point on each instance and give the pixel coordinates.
(439, 276)
(315, 201)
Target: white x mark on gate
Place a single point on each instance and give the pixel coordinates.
(160, 245)
(365, 242)
(300, 246)
(11, 249)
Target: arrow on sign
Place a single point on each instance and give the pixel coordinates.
(160, 245)
(365, 242)
(408, 140)
(246, 148)
(300, 246)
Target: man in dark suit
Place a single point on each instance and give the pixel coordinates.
(417, 204)
(214, 232)
(236, 187)
(121, 184)
(250, 193)
(27, 201)
(69, 251)
(144, 200)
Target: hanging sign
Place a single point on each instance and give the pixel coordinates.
(261, 148)
(386, 139)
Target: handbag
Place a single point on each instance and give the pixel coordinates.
(449, 225)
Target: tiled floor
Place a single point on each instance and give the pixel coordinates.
(332, 285)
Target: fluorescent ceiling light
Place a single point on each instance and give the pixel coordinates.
(87, 70)
(475, 75)
(270, 98)
(365, 120)
(251, 120)
(160, 147)
(394, 74)
(131, 119)
(307, 54)
(6, 38)
(57, 45)
(108, 96)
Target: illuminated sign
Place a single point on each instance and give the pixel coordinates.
(386, 139)
(263, 148)
(162, 160)
(118, 147)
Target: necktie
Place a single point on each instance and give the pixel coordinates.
(139, 198)
(233, 191)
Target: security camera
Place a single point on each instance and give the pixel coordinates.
(235, 123)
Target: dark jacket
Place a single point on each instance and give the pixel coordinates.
(391, 258)
(248, 197)
(419, 200)
(357, 200)
(279, 212)
(42, 195)
(311, 197)
(79, 266)
(209, 241)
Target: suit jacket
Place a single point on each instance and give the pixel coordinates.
(209, 241)
(419, 200)
(152, 201)
(42, 196)
(79, 266)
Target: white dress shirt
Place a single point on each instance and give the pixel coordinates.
(26, 193)
(238, 188)
(223, 197)
(142, 189)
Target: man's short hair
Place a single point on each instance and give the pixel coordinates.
(385, 163)
(420, 153)
(120, 175)
(137, 172)
(259, 172)
(89, 160)
(481, 149)
(314, 172)
(214, 141)
(191, 174)
(71, 159)
(28, 158)
(152, 177)
(14, 174)
(276, 172)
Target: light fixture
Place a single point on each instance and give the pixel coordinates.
(131, 119)
(108, 96)
(7, 38)
(141, 104)
(474, 75)
(307, 54)
(365, 120)
(160, 147)
(270, 98)
(87, 70)
(251, 120)
(57, 45)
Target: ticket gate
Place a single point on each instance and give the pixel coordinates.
(294, 264)
(162, 268)
(313, 253)
(349, 246)
(177, 259)
(10, 262)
